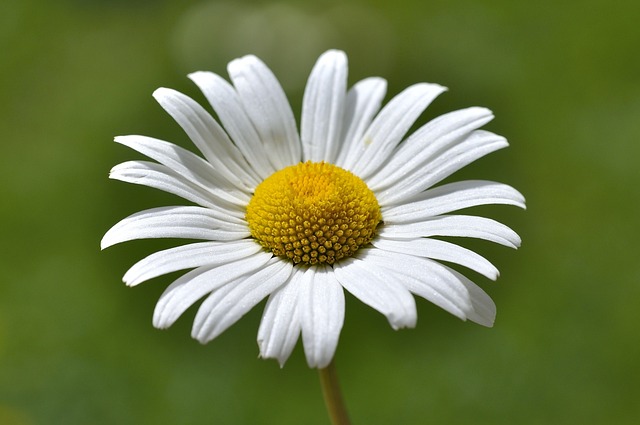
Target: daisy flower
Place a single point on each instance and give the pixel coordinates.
(348, 203)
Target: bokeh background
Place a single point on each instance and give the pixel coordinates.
(563, 78)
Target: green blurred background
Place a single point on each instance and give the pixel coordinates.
(563, 78)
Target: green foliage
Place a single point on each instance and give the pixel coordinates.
(77, 346)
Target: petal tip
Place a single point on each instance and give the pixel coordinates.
(197, 74)
(429, 88)
(242, 62)
(160, 320)
(164, 95)
(517, 242)
(487, 320)
(161, 92)
(333, 54)
(106, 241)
(129, 280)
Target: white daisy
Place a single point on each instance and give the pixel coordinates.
(347, 203)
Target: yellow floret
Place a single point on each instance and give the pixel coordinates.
(313, 212)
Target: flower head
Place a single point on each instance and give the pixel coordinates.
(347, 203)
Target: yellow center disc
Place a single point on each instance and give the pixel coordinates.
(313, 212)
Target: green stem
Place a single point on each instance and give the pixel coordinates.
(333, 396)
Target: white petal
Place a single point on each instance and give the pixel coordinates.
(323, 107)
(228, 304)
(427, 142)
(484, 309)
(188, 165)
(454, 225)
(280, 324)
(208, 136)
(362, 104)
(266, 104)
(389, 127)
(440, 285)
(439, 250)
(475, 146)
(452, 197)
(162, 177)
(226, 103)
(192, 286)
(174, 222)
(189, 256)
(321, 314)
(371, 285)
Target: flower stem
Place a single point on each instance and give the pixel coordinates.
(333, 396)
